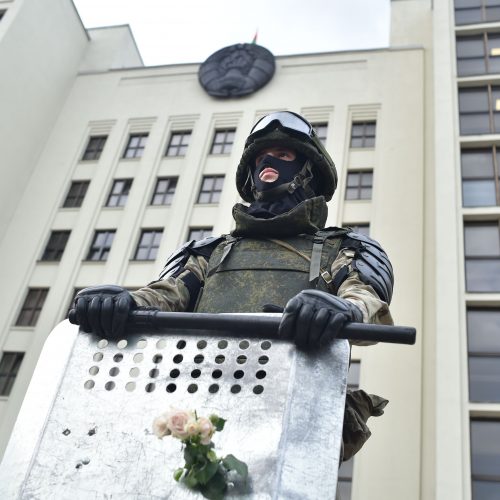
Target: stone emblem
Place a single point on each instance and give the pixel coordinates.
(236, 70)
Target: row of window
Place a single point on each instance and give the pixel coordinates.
(362, 136)
(359, 187)
(163, 193)
(476, 11)
(146, 249)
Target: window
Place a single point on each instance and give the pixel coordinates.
(135, 146)
(483, 334)
(76, 194)
(478, 54)
(198, 233)
(178, 144)
(101, 245)
(119, 193)
(321, 131)
(164, 191)
(479, 110)
(361, 228)
(33, 303)
(480, 179)
(2, 13)
(346, 468)
(148, 245)
(359, 185)
(485, 458)
(94, 147)
(476, 11)
(55, 246)
(9, 367)
(363, 134)
(223, 141)
(482, 256)
(211, 188)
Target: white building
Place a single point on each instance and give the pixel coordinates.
(108, 166)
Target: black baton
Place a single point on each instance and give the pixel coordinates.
(256, 326)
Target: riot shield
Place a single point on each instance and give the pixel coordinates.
(84, 430)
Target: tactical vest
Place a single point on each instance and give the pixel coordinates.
(246, 273)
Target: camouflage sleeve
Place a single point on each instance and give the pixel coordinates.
(172, 294)
(364, 296)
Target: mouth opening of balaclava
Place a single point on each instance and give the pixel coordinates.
(285, 201)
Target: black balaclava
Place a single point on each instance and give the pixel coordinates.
(276, 204)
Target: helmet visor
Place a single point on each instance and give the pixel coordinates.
(287, 120)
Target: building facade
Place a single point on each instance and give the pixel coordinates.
(109, 166)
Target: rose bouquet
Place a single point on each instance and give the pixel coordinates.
(204, 470)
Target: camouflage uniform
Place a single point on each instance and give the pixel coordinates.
(170, 292)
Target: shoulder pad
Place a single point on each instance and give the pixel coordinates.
(206, 246)
(372, 264)
(177, 260)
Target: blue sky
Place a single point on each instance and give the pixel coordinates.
(170, 32)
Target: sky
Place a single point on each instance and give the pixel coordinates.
(186, 31)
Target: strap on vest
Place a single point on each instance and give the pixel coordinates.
(315, 260)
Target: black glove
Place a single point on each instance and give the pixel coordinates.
(102, 310)
(313, 318)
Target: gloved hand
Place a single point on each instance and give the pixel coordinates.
(102, 310)
(313, 318)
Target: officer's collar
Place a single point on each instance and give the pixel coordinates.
(307, 217)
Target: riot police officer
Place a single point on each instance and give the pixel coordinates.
(280, 257)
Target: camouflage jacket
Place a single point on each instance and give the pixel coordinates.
(173, 293)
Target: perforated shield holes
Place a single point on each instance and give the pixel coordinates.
(221, 369)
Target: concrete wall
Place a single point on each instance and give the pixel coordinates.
(41, 44)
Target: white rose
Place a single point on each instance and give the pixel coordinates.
(160, 428)
(177, 421)
(192, 428)
(206, 430)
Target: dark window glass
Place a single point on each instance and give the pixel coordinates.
(359, 185)
(361, 228)
(33, 303)
(76, 194)
(56, 245)
(321, 131)
(480, 184)
(211, 188)
(485, 459)
(119, 193)
(482, 256)
(94, 147)
(178, 144)
(223, 141)
(478, 54)
(101, 245)
(476, 11)
(479, 110)
(164, 191)
(363, 134)
(198, 233)
(148, 245)
(135, 146)
(483, 333)
(9, 367)
(471, 58)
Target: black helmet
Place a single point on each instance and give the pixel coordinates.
(288, 129)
